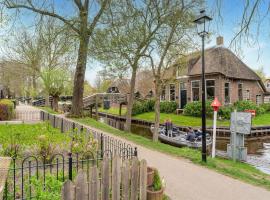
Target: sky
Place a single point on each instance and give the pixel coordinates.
(255, 55)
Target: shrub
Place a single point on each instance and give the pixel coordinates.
(6, 109)
(266, 107)
(142, 107)
(168, 106)
(225, 112)
(195, 109)
(157, 184)
(249, 105)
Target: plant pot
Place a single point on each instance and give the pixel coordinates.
(150, 176)
(154, 195)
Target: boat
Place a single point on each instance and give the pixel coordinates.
(178, 138)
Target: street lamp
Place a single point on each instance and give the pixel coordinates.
(202, 23)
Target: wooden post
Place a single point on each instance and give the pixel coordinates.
(120, 109)
(96, 104)
(91, 111)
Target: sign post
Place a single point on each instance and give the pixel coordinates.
(240, 126)
(215, 104)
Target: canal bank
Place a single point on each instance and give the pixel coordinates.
(258, 142)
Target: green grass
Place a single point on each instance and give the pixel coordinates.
(238, 170)
(48, 109)
(113, 110)
(183, 120)
(26, 135)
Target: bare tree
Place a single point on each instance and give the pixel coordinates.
(123, 45)
(172, 41)
(82, 23)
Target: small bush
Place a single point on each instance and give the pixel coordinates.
(6, 109)
(195, 109)
(157, 184)
(168, 106)
(142, 107)
(249, 105)
(225, 112)
(266, 107)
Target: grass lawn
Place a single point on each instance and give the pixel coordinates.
(26, 135)
(238, 170)
(48, 109)
(182, 120)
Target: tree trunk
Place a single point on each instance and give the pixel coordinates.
(130, 100)
(78, 89)
(157, 109)
(55, 103)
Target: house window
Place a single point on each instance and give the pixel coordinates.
(268, 85)
(172, 92)
(227, 93)
(163, 93)
(247, 95)
(195, 87)
(210, 89)
(240, 91)
(258, 99)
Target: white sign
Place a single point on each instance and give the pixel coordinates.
(241, 122)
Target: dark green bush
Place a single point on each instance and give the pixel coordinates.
(157, 184)
(6, 109)
(266, 107)
(195, 109)
(149, 106)
(249, 105)
(168, 106)
(225, 112)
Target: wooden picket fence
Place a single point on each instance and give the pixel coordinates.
(119, 179)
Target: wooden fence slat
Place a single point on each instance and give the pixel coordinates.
(134, 179)
(116, 177)
(68, 191)
(125, 180)
(93, 184)
(81, 186)
(105, 193)
(143, 179)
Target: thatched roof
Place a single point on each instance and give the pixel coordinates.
(221, 60)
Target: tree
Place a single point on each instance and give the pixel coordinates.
(172, 40)
(82, 24)
(123, 43)
(55, 81)
(260, 72)
(47, 46)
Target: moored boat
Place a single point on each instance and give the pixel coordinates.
(178, 138)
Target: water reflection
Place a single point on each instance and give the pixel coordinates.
(261, 160)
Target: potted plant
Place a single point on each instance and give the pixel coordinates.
(150, 176)
(155, 192)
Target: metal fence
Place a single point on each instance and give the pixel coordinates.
(24, 172)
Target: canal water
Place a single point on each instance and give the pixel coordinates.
(260, 158)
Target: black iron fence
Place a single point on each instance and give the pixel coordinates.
(26, 174)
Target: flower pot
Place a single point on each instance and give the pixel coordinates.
(150, 176)
(154, 195)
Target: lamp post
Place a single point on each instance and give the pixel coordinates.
(202, 23)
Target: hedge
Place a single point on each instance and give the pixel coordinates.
(194, 108)
(6, 109)
(149, 106)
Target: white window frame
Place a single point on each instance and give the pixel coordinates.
(211, 86)
(192, 89)
(229, 93)
(170, 91)
(164, 94)
(247, 89)
(239, 83)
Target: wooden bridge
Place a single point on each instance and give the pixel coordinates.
(98, 98)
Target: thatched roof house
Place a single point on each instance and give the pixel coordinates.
(227, 78)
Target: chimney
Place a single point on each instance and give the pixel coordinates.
(219, 41)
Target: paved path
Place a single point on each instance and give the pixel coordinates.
(187, 181)
(27, 113)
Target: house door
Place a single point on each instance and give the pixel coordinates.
(183, 95)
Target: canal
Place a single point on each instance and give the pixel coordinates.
(259, 150)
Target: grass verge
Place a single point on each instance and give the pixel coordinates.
(48, 109)
(237, 170)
